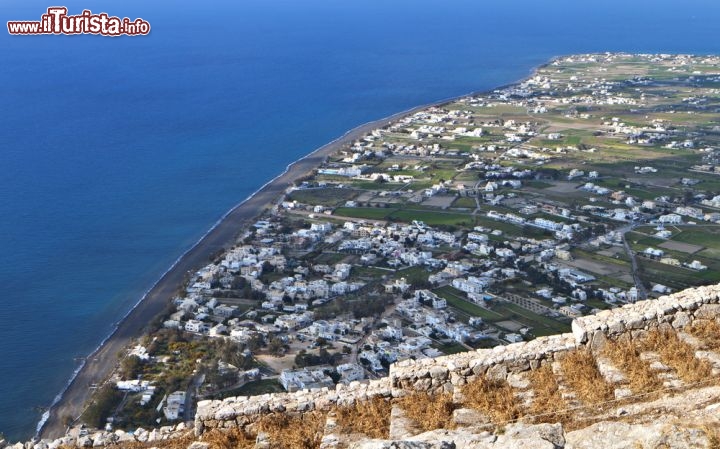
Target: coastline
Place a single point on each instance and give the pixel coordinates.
(221, 236)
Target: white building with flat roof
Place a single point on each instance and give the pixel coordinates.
(294, 380)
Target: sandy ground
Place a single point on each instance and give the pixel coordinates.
(562, 187)
(443, 201)
(682, 247)
(604, 269)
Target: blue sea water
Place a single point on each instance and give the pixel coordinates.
(117, 154)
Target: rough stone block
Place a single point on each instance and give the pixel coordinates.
(467, 417)
(708, 311)
(497, 372)
(680, 320)
(401, 426)
(439, 373)
(598, 341)
(579, 332)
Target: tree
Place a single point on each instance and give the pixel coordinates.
(255, 342)
(238, 283)
(276, 346)
(130, 367)
(324, 357)
(267, 267)
(688, 197)
(300, 359)
(221, 379)
(104, 403)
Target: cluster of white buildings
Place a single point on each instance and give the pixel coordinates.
(429, 316)
(562, 231)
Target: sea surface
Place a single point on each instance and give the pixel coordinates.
(118, 154)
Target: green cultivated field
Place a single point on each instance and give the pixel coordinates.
(455, 298)
(428, 216)
(465, 202)
(703, 235)
(433, 218)
(370, 213)
(323, 197)
(503, 311)
(541, 325)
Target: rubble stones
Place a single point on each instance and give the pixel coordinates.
(620, 435)
(85, 441)
(403, 445)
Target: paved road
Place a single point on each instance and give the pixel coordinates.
(190, 396)
(639, 285)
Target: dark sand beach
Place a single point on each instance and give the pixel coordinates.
(100, 364)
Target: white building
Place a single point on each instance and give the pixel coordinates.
(174, 405)
(670, 219)
(350, 372)
(195, 326)
(294, 380)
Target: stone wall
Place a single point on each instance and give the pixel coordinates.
(676, 310)
(502, 362)
(242, 410)
(433, 375)
(629, 321)
(104, 438)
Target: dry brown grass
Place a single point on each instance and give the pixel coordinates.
(429, 412)
(228, 439)
(494, 398)
(626, 356)
(583, 376)
(713, 436)
(708, 331)
(678, 355)
(293, 432)
(371, 418)
(548, 405)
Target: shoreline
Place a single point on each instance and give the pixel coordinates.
(99, 364)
